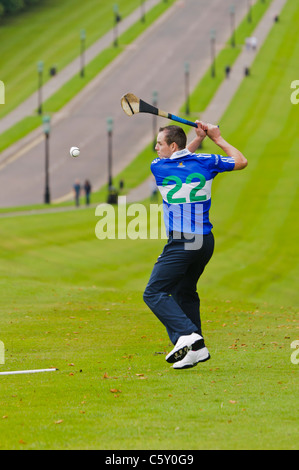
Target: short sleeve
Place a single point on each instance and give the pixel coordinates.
(221, 164)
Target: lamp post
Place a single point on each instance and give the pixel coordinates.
(142, 11)
(47, 129)
(109, 131)
(155, 103)
(40, 69)
(117, 19)
(187, 77)
(249, 16)
(232, 18)
(83, 38)
(213, 41)
(112, 193)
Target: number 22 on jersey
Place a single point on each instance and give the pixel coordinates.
(188, 192)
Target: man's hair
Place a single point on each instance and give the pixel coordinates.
(175, 134)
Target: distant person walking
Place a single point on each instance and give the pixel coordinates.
(77, 189)
(87, 189)
(227, 71)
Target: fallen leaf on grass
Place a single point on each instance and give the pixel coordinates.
(115, 390)
(59, 421)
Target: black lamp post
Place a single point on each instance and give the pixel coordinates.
(213, 41)
(142, 11)
(47, 129)
(232, 19)
(83, 38)
(117, 19)
(109, 131)
(40, 68)
(249, 16)
(112, 193)
(187, 77)
(155, 103)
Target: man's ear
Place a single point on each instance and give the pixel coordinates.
(174, 147)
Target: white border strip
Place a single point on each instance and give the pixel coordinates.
(33, 371)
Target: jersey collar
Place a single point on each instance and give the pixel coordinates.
(180, 154)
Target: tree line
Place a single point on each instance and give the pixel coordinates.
(13, 7)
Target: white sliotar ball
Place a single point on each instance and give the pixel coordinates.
(74, 152)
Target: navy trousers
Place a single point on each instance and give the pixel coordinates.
(171, 292)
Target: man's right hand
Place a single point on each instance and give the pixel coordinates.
(213, 132)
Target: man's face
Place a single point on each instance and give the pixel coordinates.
(162, 148)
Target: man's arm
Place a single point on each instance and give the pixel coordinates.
(214, 134)
(240, 160)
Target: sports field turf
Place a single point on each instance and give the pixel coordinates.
(74, 302)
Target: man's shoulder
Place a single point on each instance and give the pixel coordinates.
(203, 155)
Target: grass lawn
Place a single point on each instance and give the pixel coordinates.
(74, 302)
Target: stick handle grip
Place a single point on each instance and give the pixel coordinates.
(182, 120)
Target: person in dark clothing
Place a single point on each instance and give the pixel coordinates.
(77, 190)
(87, 189)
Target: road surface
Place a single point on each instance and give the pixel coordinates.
(155, 62)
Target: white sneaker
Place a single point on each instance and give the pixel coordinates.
(193, 358)
(183, 345)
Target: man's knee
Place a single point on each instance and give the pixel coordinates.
(151, 296)
(148, 296)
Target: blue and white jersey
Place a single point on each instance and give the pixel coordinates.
(185, 182)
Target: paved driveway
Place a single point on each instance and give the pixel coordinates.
(154, 63)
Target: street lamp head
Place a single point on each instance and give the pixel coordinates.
(155, 96)
(40, 66)
(47, 124)
(109, 121)
(232, 9)
(213, 34)
(83, 34)
(187, 67)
